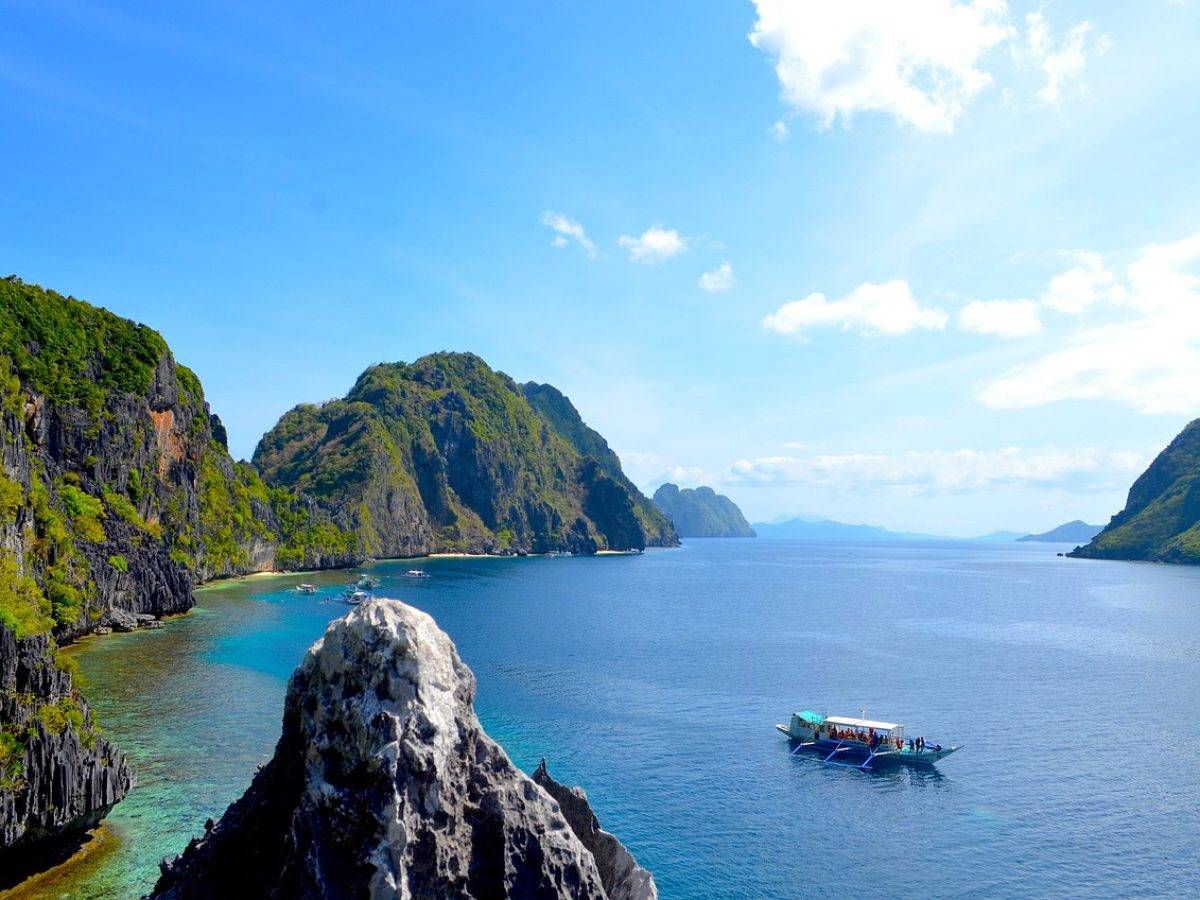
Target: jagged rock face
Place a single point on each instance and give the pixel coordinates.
(622, 877)
(117, 475)
(57, 776)
(702, 512)
(447, 454)
(384, 784)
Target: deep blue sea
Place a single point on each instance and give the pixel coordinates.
(655, 681)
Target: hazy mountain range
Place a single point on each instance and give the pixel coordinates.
(811, 528)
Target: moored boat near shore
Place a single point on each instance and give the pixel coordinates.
(859, 742)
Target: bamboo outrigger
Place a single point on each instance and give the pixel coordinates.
(859, 742)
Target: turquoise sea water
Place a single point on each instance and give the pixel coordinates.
(655, 681)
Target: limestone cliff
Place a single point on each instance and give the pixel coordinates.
(384, 784)
(447, 454)
(116, 495)
(561, 415)
(622, 877)
(58, 776)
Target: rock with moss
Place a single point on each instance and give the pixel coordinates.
(702, 512)
(447, 454)
(1161, 518)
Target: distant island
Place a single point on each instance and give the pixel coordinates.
(808, 529)
(1074, 532)
(1002, 535)
(1161, 518)
(701, 513)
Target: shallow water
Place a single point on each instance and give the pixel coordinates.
(654, 681)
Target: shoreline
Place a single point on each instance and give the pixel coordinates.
(214, 583)
(49, 882)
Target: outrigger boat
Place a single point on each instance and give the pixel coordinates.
(416, 573)
(368, 582)
(355, 597)
(860, 743)
(307, 588)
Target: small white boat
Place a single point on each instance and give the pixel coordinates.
(416, 573)
(306, 588)
(368, 582)
(355, 597)
(859, 742)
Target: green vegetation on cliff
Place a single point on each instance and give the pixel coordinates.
(114, 483)
(560, 413)
(1161, 518)
(446, 453)
(71, 352)
(702, 512)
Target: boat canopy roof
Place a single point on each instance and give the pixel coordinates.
(862, 723)
(811, 717)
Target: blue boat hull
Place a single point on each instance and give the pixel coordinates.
(857, 755)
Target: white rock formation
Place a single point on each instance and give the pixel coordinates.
(384, 784)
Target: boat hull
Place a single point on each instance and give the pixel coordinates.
(858, 754)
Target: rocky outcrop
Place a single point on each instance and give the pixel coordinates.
(447, 454)
(384, 784)
(622, 877)
(58, 776)
(702, 512)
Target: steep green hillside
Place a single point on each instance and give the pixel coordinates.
(702, 512)
(116, 492)
(553, 405)
(1161, 518)
(446, 454)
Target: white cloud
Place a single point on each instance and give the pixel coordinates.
(719, 279)
(1149, 360)
(1079, 288)
(1062, 62)
(654, 244)
(945, 471)
(649, 470)
(779, 131)
(1004, 318)
(567, 230)
(887, 308)
(919, 60)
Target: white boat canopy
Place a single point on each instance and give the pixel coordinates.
(862, 723)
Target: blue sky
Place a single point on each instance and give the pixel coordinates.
(950, 247)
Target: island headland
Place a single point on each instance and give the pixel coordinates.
(701, 512)
(1161, 518)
